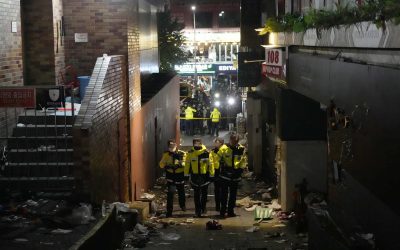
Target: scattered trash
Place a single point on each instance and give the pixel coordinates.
(21, 240)
(213, 225)
(251, 208)
(170, 236)
(253, 229)
(262, 213)
(189, 221)
(81, 215)
(281, 241)
(47, 243)
(32, 203)
(274, 235)
(279, 225)
(266, 196)
(275, 205)
(147, 196)
(61, 231)
(123, 207)
(141, 229)
(20, 125)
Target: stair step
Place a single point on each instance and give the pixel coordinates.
(31, 130)
(35, 142)
(34, 155)
(38, 183)
(41, 118)
(38, 169)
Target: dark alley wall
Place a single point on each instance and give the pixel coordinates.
(369, 149)
(151, 128)
(11, 67)
(101, 132)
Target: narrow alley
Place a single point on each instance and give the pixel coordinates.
(199, 124)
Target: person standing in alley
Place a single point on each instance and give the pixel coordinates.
(189, 119)
(173, 162)
(231, 169)
(200, 169)
(215, 117)
(220, 147)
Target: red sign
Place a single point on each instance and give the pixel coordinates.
(17, 98)
(272, 71)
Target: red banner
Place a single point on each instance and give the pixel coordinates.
(272, 71)
(17, 98)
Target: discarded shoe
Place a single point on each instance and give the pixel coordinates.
(213, 225)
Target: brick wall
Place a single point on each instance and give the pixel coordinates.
(100, 133)
(148, 139)
(10, 44)
(59, 52)
(38, 38)
(104, 21)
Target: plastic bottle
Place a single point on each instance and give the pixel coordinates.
(103, 209)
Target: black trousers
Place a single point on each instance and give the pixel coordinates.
(172, 187)
(228, 188)
(215, 128)
(189, 127)
(217, 193)
(200, 198)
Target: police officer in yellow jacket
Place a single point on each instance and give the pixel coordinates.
(219, 146)
(173, 162)
(215, 117)
(189, 120)
(200, 169)
(233, 163)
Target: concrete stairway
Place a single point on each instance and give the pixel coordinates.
(40, 154)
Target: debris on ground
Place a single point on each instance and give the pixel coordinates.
(170, 236)
(262, 213)
(213, 225)
(147, 196)
(274, 235)
(253, 229)
(61, 231)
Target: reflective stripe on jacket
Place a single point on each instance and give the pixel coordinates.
(198, 162)
(173, 162)
(233, 156)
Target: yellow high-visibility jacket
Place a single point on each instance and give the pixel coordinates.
(198, 162)
(215, 156)
(189, 112)
(173, 162)
(215, 115)
(233, 156)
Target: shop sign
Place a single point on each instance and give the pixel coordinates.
(272, 71)
(229, 67)
(274, 57)
(190, 68)
(17, 98)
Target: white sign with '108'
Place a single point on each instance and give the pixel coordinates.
(273, 57)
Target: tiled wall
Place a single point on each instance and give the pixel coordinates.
(100, 133)
(11, 73)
